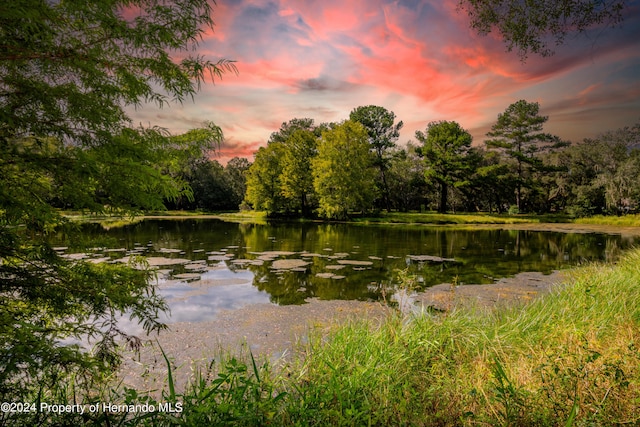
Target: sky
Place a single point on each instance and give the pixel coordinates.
(419, 59)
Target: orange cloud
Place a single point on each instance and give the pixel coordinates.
(416, 58)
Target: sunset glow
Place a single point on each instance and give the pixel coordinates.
(416, 58)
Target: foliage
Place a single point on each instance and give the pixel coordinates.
(212, 190)
(383, 134)
(264, 185)
(518, 134)
(531, 27)
(406, 180)
(235, 171)
(343, 176)
(520, 168)
(297, 179)
(600, 175)
(280, 179)
(445, 150)
(214, 187)
(288, 128)
(68, 70)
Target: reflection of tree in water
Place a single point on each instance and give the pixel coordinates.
(293, 287)
(481, 255)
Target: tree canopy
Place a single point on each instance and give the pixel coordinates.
(536, 26)
(343, 177)
(518, 133)
(383, 133)
(68, 70)
(445, 147)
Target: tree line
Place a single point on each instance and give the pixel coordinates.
(332, 170)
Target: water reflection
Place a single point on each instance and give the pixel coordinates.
(217, 290)
(210, 265)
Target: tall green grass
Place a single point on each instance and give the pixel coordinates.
(568, 358)
(623, 221)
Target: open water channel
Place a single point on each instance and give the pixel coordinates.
(208, 265)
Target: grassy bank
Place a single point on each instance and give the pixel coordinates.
(464, 218)
(569, 358)
(622, 221)
(383, 218)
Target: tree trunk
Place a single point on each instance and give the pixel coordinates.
(443, 197)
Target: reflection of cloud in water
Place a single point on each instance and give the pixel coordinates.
(206, 306)
(217, 290)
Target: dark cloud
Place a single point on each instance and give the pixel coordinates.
(321, 84)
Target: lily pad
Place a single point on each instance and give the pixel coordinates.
(220, 257)
(75, 256)
(288, 264)
(98, 260)
(354, 262)
(429, 258)
(311, 255)
(325, 275)
(275, 253)
(156, 261)
(187, 276)
(196, 266)
(170, 251)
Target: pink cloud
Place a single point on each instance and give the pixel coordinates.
(322, 59)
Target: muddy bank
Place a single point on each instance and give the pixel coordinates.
(278, 333)
(519, 289)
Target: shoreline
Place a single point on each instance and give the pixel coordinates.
(278, 334)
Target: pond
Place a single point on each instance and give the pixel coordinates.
(209, 265)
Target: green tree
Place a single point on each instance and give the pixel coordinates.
(518, 135)
(342, 170)
(532, 26)
(445, 147)
(264, 185)
(212, 187)
(297, 179)
(407, 185)
(293, 125)
(236, 171)
(68, 70)
(280, 179)
(383, 134)
(491, 185)
(601, 173)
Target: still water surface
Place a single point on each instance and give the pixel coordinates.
(208, 265)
